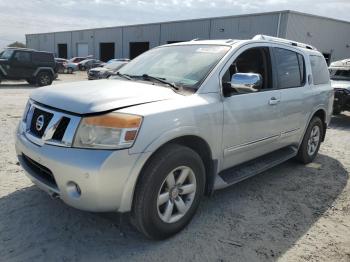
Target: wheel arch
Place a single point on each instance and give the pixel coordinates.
(44, 69)
(197, 144)
(321, 113)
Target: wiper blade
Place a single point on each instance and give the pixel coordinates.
(122, 75)
(145, 76)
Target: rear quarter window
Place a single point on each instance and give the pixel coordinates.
(320, 73)
(42, 57)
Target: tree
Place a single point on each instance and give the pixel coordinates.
(17, 44)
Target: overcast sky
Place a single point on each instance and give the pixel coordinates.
(19, 17)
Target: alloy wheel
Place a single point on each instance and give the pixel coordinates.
(176, 194)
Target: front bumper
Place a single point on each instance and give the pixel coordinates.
(341, 99)
(106, 178)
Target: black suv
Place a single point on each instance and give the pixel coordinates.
(20, 63)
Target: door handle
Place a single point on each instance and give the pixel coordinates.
(274, 101)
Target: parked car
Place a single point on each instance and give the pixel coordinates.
(340, 76)
(177, 122)
(61, 62)
(77, 59)
(89, 63)
(105, 71)
(33, 66)
(118, 60)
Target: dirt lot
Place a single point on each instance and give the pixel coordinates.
(290, 213)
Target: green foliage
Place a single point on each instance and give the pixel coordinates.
(17, 44)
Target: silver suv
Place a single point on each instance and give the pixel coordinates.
(176, 123)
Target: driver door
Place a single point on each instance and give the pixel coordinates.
(251, 117)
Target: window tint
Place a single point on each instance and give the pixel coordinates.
(290, 68)
(22, 56)
(42, 57)
(319, 69)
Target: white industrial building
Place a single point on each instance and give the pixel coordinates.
(330, 36)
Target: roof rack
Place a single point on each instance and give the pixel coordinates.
(284, 41)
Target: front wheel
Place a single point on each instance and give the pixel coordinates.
(311, 142)
(168, 192)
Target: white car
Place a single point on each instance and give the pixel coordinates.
(176, 123)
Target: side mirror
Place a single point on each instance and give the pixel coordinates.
(244, 83)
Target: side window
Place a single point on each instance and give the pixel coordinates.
(320, 73)
(255, 60)
(22, 56)
(43, 57)
(290, 68)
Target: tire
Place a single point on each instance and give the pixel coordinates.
(82, 68)
(31, 81)
(70, 70)
(149, 212)
(309, 147)
(336, 111)
(44, 78)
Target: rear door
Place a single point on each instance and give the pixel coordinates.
(251, 120)
(291, 81)
(21, 64)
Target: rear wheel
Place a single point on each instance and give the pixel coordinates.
(336, 111)
(311, 142)
(44, 79)
(168, 192)
(69, 70)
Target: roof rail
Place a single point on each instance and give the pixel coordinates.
(284, 41)
(196, 39)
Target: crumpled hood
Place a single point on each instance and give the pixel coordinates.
(340, 84)
(97, 96)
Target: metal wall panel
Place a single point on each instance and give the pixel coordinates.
(47, 42)
(327, 35)
(184, 31)
(140, 33)
(64, 38)
(244, 27)
(32, 41)
(83, 36)
(109, 35)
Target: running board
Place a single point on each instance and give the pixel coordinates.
(253, 167)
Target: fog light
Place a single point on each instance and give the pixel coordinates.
(73, 189)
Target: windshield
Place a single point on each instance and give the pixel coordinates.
(114, 65)
(185, 65)
(340, 74)
(6, 54)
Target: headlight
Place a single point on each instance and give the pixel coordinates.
(26, 109)
(109, 131)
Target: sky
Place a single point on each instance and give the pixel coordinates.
(19, 17)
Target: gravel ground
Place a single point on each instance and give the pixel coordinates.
(290, 213)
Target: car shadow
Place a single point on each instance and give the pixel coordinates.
(341, 121)
(17, 85)
(256, 220)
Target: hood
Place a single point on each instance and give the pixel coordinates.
(100, 69)
(340, 84)
(97, 96)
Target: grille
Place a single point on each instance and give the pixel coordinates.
(41, 172)
(55, 127)
(47, 118)
(59, 133)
